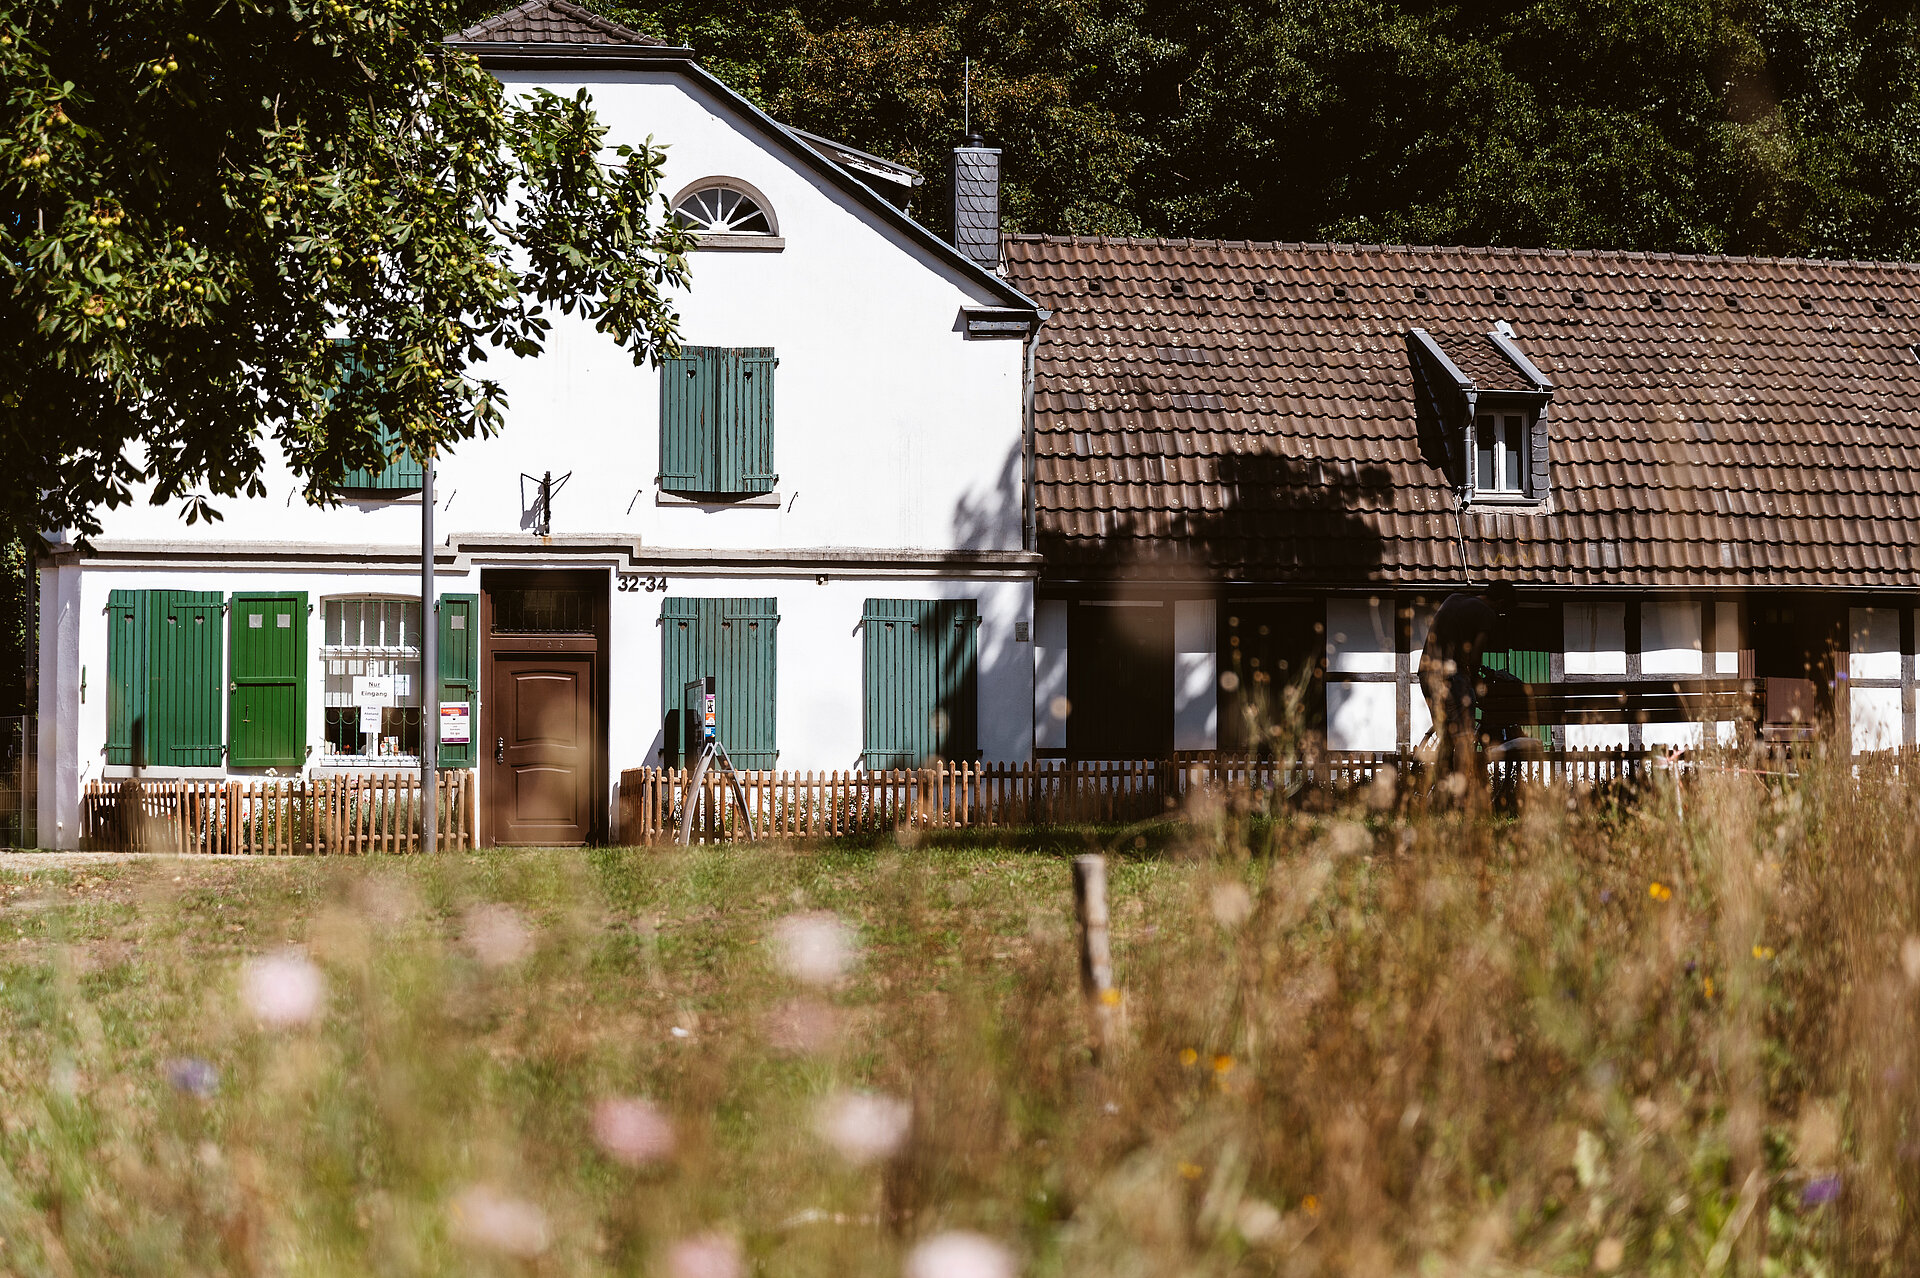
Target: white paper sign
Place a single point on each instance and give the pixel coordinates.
(370, 720)
(456, 723)
(373, 690)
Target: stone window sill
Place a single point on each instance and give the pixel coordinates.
(722, 242)
(770, 500)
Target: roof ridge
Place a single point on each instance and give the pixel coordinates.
(507, 18)
(1495, 250)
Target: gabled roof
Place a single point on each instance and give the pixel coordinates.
(1234, 411)
(500, 48)
(551, 22)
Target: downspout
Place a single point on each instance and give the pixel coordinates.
(1466, 481)
(1027, 533)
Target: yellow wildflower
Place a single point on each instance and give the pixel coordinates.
(1659, 891)
(1189, 1057)
(1190, 1171)
(1707, 985)
(1222, 1063)
(1763, 952)
(1310, 1204)
(1110, 998)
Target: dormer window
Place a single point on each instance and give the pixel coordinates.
(1501, 456)
(1489, 403)
(726, 213)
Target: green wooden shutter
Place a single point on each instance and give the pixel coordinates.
(716, 421)
(682, 659)
(126, 676)
(267, 691)
(922, 681)
(689, 410)
(747, 673)
(734, 640)
(183, 679)
(402, 474)
(745, 460)
(459, 622)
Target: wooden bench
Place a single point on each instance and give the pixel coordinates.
(1624, 701)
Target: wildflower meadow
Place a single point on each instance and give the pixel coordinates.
(1667, 1032)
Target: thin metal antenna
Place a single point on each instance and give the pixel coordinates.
(966, 99)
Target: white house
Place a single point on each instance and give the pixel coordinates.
(821, 504)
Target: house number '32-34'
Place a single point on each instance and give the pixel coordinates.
(631, 582)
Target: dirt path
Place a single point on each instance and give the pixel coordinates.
(28, 862)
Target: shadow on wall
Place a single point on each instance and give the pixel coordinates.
(1260, 525)
(992, 519)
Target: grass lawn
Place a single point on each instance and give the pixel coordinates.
(1620, 1040)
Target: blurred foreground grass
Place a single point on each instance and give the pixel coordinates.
(1583, 1040)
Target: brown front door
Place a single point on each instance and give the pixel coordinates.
(543, 732)
(543, 784)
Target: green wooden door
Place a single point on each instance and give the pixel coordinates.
(1529, 665)
(183, 700)
(128, 647)
(267, 689)
(922, 681)
(459, 622)
(736, 641)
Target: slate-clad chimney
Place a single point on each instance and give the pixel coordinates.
(976, 201)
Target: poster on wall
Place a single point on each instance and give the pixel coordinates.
(456, 723)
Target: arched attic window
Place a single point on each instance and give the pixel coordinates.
(727, 213)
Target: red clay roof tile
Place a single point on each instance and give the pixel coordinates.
(1725, 436)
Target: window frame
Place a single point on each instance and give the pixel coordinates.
(1514, 434)
(770, 240)
(398, 655)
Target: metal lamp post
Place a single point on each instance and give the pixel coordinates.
(429, 669)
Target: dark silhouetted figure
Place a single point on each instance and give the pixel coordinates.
(1453, 678)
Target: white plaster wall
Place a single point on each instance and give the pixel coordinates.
(1420, 718)
(1596, 736)
(820, 701)
(1873, 653)
(1596, 641)
(1050, 704)
(1670, 637)
(891, 428)
(1874, 650)
(1360, 716)
(820, 670)
(1360, 636)
(1874, 714)
(1196, 659)
(1729, 636)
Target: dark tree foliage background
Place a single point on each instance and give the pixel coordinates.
(1738, 126)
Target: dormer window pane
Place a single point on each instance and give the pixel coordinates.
(1501, 448)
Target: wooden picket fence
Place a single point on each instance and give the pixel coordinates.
(345, 815)
(1049, 792)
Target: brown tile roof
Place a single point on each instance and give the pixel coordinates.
(1476, 355)
(550, 22)
(1250, 411)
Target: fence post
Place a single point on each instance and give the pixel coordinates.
(1096, 959)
